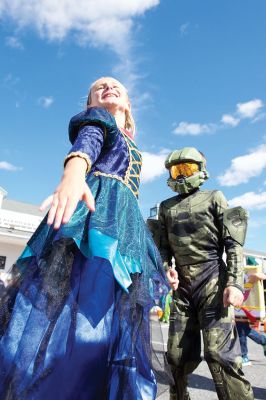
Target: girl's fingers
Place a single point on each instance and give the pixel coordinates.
(71, 205)
(53, 209)
(89, 199)
(59, 213)
(46, 203)
(64, 205)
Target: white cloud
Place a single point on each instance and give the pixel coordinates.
(8, 167)
(14, 42)
(229, 119)
(45, 102)
(250, 200)
(91, 21)
(152, 165)
(249, 109)
(141, 101)
(194, 129)
(245, 167)
(261, 116)
(11, 84)
(10, 81)
(183, 29)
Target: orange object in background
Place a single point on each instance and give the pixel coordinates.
(265, 325)
(160, 313)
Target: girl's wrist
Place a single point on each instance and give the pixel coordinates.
(75, 166)
(77, 159)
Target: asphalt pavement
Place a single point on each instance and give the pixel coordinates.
(200, 382)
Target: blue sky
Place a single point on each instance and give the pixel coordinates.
(195, 71)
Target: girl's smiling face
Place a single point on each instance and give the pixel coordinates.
(109, 93)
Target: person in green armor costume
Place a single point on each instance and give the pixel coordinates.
(196, 227)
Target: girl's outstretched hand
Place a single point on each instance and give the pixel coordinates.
(70, 191)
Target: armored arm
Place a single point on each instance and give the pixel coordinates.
(164, 246)
(234, 233)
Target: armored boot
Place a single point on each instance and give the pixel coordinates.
(179, 390)
(177, 394)
(173, 396)
(230, 383)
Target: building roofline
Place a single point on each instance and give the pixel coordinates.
(255, 253)
(3, 191)
(21, 207)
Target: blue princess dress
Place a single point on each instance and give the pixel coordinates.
(75, 322)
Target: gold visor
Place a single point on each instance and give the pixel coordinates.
(184, 169)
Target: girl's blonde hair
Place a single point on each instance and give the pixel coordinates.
(129, 120)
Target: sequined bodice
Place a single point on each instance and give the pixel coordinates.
(129, 167)
(107, 150)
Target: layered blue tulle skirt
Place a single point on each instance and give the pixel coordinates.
(75, 321)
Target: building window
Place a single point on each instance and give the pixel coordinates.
(154, 212)
(2, 262)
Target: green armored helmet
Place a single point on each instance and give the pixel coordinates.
(187, 168)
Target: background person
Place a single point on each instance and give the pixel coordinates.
(243, 324)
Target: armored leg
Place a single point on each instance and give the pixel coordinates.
(230, 383)
(179, 390)
(183, 348)
(223, 355)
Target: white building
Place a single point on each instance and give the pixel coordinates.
(17, 223)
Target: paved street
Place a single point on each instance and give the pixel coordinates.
(200, 383)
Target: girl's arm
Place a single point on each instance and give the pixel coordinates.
(69, 192)
(73, 187)
(89, 131)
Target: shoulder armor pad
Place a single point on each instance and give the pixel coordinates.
(235, 224)
(94, 116)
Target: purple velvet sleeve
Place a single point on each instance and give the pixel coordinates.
(89, 141)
